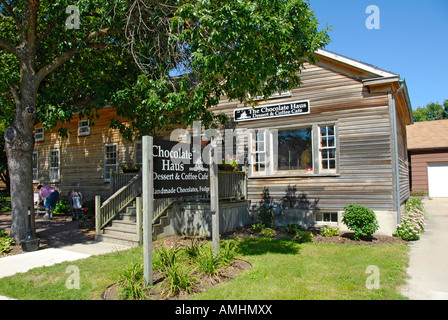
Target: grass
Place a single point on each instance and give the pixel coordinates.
(281, 269)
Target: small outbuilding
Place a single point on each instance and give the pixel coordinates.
(428, 154)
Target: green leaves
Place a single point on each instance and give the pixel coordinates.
(361, 220)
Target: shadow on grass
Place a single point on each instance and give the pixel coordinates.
(258, 246)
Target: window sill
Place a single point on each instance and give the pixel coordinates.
(295, 175)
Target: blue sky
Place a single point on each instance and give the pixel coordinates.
(412, 40)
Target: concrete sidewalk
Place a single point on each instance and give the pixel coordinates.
(428, 257)
(20, 263)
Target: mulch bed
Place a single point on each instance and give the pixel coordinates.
(160, 291)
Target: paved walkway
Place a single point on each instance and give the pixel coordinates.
(428, 264)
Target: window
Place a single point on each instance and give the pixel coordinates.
(259, 151)
(54, 165)
(110, 160)
(327, 148)
(327, 217)
(83, 128)
(138, 153)
(311, 149)
(39, 134)
(35, 167)
(295, 149)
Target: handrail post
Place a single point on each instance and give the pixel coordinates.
(139, 216)
(97, 215)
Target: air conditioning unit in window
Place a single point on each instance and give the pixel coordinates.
(84, 128)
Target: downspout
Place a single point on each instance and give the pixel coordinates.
(397, 167)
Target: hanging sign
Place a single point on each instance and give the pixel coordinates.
(272, 111)
(179, 170)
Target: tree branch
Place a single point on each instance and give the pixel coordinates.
(15, 94)
(59, 61)
(56, 63)
(10, 11)
(7, 46)
(45, 33)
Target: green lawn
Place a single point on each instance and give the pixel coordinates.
(281, 269)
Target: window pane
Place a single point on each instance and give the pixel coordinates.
(334, 217)
(323, 131)
(332, 164)
(331, 141)
(324, 143)
(294, 149)
(324, 164)
(330, 130)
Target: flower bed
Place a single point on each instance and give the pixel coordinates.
(412, 221)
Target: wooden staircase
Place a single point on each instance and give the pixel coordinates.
(123, 229)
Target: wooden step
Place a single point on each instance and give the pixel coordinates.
(117, 240)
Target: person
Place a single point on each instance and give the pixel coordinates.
(51, 196)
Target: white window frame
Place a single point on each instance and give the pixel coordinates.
(322, 221)
(335, 147)
(271, 138)
(83, 128)
(36, 167)
(39, 134)
(107, 167)
(55, 171)
(253, 135)
(275, 144)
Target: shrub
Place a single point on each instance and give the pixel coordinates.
(257, 227)
(361, 220)
(292, 228)
(62, 207)
(266, 216)
(268, 233)
(6, 242)
(132, 283)
(412, 221)
(303, 236)
(329, 231)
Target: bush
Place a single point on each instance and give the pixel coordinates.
(412, 221)
(292, 228)
(329, 231)
(6, 242)
(62, 207)
(257, 227)
(361, 220)
(266, 216)
(303, 236)
(268, 233)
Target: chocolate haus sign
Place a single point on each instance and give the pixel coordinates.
(179, 170)
(272, 111)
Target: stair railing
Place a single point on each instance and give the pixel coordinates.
(106, 212)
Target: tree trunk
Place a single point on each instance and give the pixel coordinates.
(19, 149)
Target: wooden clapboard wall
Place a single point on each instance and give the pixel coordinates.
(82, 158)
(364, 140)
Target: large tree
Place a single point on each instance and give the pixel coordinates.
(432, 111)
(189, 52)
